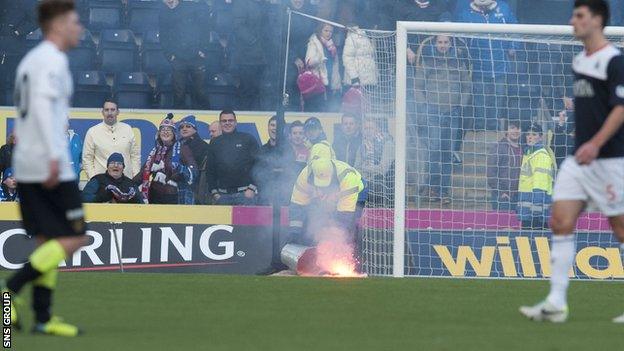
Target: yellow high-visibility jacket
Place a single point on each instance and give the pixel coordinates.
(344, 189)
(537, 172)
(535, 187)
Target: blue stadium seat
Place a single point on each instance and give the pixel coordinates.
(152, 56)
(164, 91)
(144, 15)
(104, 14)
(33, 38)
(118, 50)
(84, 56)
(7, 80)
(221, 91)
(132, 89)
(90, 89)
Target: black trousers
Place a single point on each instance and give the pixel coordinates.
(196, 70)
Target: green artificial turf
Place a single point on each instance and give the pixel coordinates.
(135, 311)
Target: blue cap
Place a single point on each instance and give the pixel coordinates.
(8, 173)
(190, 120)
(116, 157)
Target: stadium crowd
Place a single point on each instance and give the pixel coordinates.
(223, 55)
(216, 54)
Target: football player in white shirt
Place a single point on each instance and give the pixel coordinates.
(594, 175)
(51, 207)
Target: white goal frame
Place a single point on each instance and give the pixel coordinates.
(402, 30)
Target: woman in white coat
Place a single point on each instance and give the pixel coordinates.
(358, 58)
(323, 60)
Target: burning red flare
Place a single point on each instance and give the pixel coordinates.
(336, 258)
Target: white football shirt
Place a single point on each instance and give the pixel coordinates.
(43, 90)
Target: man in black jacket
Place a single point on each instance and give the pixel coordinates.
(348, 143)
(183, 38)
(112, 186)
(232, 157)
(199, 148)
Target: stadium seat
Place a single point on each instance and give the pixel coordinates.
(132, 89)
(90, 89)
(84, 56)
(7, 80)
(144, 15)
(33, 38)
(118, 51)
(221, 91)
(164, 91)
(104, 14)
(152, 56)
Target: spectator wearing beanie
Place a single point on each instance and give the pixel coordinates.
(112, 186)
(199, 148)
(8, 190)
(170, 169)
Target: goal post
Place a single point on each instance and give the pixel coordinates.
(443, 107)
(489, 244)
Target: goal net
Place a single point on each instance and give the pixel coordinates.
(478, 117)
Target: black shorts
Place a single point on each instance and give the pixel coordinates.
(51, 212)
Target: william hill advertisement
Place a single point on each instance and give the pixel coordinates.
(508, 254)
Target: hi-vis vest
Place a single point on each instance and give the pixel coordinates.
(537, 172)
(346, 182)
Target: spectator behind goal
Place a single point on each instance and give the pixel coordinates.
(490, 60)
(442, 89)
(503, 168)
(347, 143)
(323, 60)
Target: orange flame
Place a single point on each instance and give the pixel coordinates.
(335, 256)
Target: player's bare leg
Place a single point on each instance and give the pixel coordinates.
(617, 225)
(563, 250)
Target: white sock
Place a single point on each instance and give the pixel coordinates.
(561, 259)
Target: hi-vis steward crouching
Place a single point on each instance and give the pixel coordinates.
(324, 204)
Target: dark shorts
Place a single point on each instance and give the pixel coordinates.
(51, 213)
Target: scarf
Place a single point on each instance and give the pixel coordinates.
(330, 46)
(155, 156)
